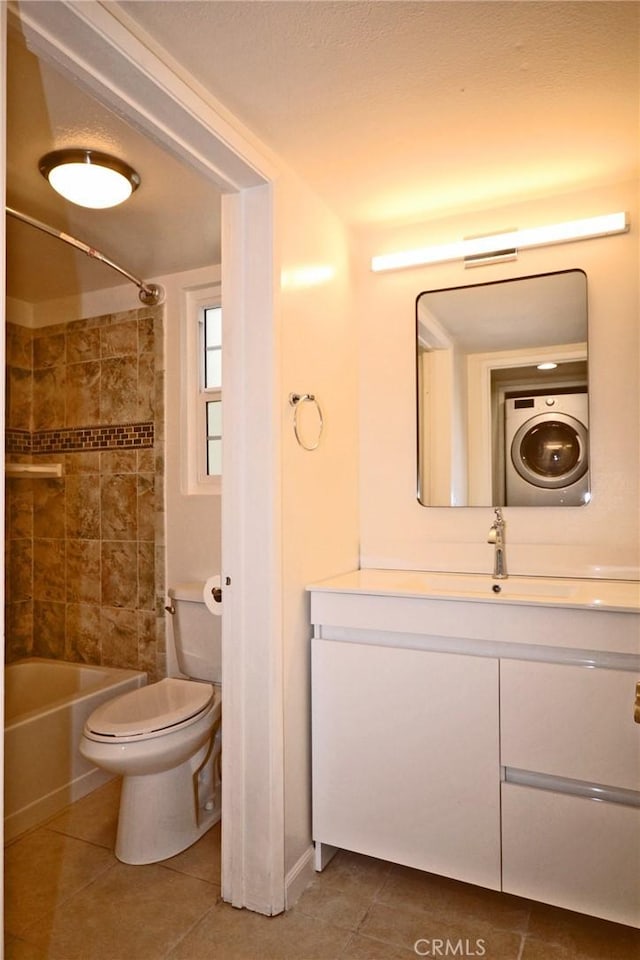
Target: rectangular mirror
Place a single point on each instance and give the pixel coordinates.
(502, 384)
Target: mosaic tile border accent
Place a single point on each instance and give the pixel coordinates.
(18, 442)
(120, 436)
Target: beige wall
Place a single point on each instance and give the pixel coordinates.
(319, 355)
(395, 530)
(193, 520)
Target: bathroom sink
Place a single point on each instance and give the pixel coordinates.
(479, 584)
(546, 591)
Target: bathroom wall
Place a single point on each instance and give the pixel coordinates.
(319, 355)
(85, 552)
(192, 520)
(599, 539)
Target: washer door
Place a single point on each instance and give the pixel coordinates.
(550, 450)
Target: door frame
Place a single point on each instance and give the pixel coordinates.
(127, 72)
(3, 189)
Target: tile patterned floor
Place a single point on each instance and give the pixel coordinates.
(68, 898)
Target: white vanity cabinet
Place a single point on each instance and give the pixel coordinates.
(484, 739)
(406, 757)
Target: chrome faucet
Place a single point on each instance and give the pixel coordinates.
(496, 536)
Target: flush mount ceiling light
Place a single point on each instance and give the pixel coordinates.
(498, 245)
(89, 178)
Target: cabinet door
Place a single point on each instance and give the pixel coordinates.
(573, 852)
(570, 721)
(405, 757)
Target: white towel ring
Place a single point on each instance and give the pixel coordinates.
(296, 400)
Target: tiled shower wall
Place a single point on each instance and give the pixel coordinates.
(85, 553)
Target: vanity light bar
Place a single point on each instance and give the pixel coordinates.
(490, 246)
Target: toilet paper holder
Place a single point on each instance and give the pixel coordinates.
(216, 593)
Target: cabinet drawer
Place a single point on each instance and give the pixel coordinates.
(570, 721)
(573, 852)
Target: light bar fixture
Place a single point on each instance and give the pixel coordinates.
(496, 245)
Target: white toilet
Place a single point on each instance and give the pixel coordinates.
(164, 740)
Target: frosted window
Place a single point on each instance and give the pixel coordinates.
(212, 348)
(214, 458)
(214, 437)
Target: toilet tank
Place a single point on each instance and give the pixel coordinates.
(197, 633)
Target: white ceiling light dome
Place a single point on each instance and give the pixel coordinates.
(89, 178)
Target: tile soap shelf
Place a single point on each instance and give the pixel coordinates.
(27, 471)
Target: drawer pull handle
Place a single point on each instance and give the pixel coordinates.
(636, 709)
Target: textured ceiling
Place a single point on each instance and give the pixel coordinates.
(393, 111)
(396, 110)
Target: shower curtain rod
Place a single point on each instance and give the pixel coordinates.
(151, 294)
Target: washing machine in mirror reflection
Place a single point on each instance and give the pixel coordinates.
(547, 450)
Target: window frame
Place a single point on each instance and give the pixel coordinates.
(207, 394)
(195, 480)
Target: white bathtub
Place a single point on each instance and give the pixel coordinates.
(46, 705)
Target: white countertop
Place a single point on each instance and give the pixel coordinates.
(616, 595)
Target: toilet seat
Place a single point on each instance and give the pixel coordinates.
(150, 711)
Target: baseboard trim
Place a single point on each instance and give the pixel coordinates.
(299, 877)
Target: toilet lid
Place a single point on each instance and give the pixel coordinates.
(150, 709)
